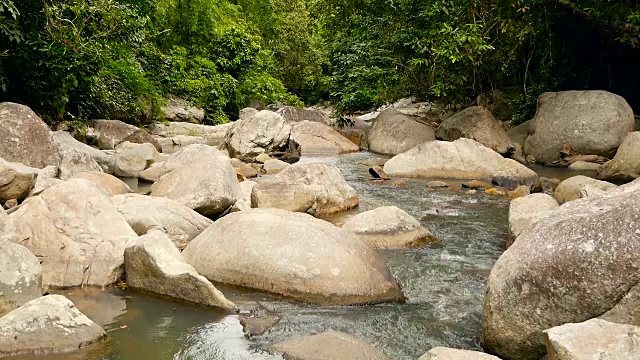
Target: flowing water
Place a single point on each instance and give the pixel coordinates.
(444, 285)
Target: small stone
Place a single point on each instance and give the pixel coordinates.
(329, 345)
(584, 166)
(262, 158)
(496, 191)
(378, 173)
(476, 185)
(274, 166)
(437, 185)
(530, 159)
(472, 192)
(520, 191)
(258, 325)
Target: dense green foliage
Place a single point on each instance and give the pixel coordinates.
(122, 58)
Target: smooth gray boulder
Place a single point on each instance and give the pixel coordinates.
(476, 123)
(293, 114)
(76, 233)
(213, 135)
(394, 133)
(111, 133)
(584, 166)
(590, 122)
(274, 166)
(179, 109)
(460, 159)
(389, 227)
(208, 185)
(154, 264)
(580, 186)
(626, 164)
(48, 325)
(315, 188)
(146, 213)
(328, 345)
(579, 263)
(190, 154)
(109, 183)
(25, 138)
(75, 162)
(129, 165)
(443, 353)
(265, 132)
(527, 210)
(16, 180)
(69, 143)
(145, 151)
(593, 339)
(20, 275)
(319, 139)
(292, 254)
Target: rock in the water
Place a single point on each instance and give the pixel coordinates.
(580, 186)
(258, 325)
(145, 151)
(519, 192)
(626, 164)
(146, 213)
(319, 139)
(576, 264)
(315, 188)
(264, 132)
(243, 170)
(47, 325)
(68, 143)
(591, 122)
(154, 264)
(593, 339)
(76, 232)
(546, 185)
(294, 255)
(181, 110)
(75, 162)
(443, 353)
(293, 114)
(274, 166)
(584, 166)
(394, 133)
(476, 185)
(527, 210)
(16, 180)
(244, 196)
(25, 138)
(109, 183)
(208, 185)
(111, 133)
(213, 135)
(20, 275)
(436, 184)
(389, 227)
(461, 159)
(476, 123)
(329, 345)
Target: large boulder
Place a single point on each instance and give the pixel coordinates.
(328, 345)
(293, 114)
(47, 325)
(20, 276)
(109, 183)
(626, 164)
(315, 188)
(69, 143)
(145, 151)
(580, 186)
(154, 264)
(146, 213)
(443, 353)
(264, 132)
(213, 135)
(292, 254)
(75, 162)
(208, 185)
(181, 110)
(460, 159)
(526, 211)
(478, 124)
(190, 154)
(577, 264)
(591, 122)
(319, 139)
(25, 138)
(389, 227)
(111, 133)
(16, 180)
(593, 339)
(76, 232)
(394, 133)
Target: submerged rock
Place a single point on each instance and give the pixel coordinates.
(47, 325)
(593, 339)
(389, 227)
(315, 188)
(76, 232)
(20, 275)
(25, 138)
(294, 255)
(576, 264)
(443, 353)
(154, 264)
(146, 213)
(591, 122)
(580, 186)
(394, 133)
(328, 345)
